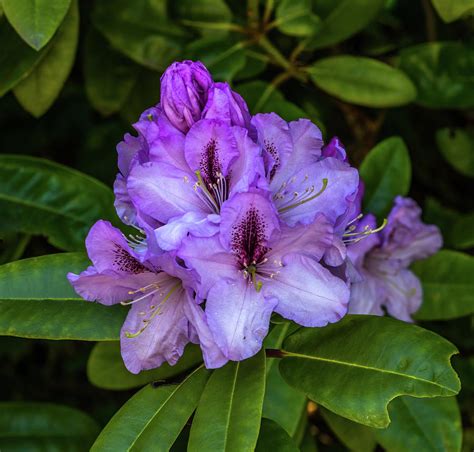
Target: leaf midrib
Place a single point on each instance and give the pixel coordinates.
(231, 402)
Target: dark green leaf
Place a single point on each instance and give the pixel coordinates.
(442, 73)
(448, 286)
(153, 418)
(363, 81)
(228, 415)
(17, 59)
(424, 425)
(347, 18)
(295, 18)
(141, 30)
(105, 368)
(457, 147)
(109, 76)
(384, 359)
(356, 437)
(38, 91)
(41, 197)
(44, 427)
(36, 21)
(450, 10)
(37, 301)
(386, 172)
(273, 438)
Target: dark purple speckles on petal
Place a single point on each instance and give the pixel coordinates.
(125, 262)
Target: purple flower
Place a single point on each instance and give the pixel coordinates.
(334, 149)
(255, 266)
(302, 180)
(163, 316)
(184, 93)
(383, 260)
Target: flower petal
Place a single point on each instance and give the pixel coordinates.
(404, 295)
(367, 296)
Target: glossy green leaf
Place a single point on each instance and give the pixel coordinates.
(37, 301)
(386, 172)
(424, 425)
(295, 18)
(39, 196)
(109, 76)
(273, 438)
(442, 73)
(39, 90)
(450, 10)
(384, 359)
(282, 403)
(448, 286)
(17, 59)
(36, 21)
(153, 418)
(356, 437)
(141, 30)
(45, 427)
(362, 81)
(457, 147)
(105, 368)
(229, 413)
(346, 19)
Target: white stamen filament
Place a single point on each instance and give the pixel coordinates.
(353, 237)
(298, 198)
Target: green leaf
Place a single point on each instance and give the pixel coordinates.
(386, 172)
(296, 18)
(448, 287)
(17, 59)
(442, 73)
(229, 413)
(44, 427)
(37, 301)
(362, 81)
(282, 403)
(39, 196)
(345, 20)
(273, 438)
(106, 370)
(153, 418)
(109, 76)
(457, 147)
(356, 437)
(36, 21)
(385, 358)
(141, 30)
(38, 91)
(450, 10)
(424, 425)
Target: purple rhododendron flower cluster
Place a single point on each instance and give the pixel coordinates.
(238, 217)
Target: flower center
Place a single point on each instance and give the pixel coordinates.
(126, 263)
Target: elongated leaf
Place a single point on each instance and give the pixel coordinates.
(44, 426)
(228, 415)
(442, 73)
(356, 437)
(41, 197)
(109, 76)
(141, 30)
(450, 10)
(363, 81)
(17, 59)
(37, 301)
(386, 172)
(105, 368)
(153, 418)
(424, 425)
(36, 20)
(40, 89)
(345, 20)
(448, 286)
(295, 18)
(383, 359)
(273, 438)
(457, 147)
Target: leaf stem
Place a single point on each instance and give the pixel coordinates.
(275, 353)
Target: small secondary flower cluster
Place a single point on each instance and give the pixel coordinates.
(239, 217)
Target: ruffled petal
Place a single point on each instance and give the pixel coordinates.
(367, 296)
(123, 204)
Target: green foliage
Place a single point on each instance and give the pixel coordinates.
(452, 10)
(457, 147)
(273, 437)
(296, 18)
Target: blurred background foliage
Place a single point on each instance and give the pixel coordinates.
(75, 74)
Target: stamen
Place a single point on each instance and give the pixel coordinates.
(305, 197)
(200, 184)
(354, 237)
